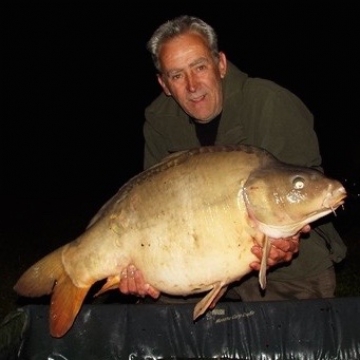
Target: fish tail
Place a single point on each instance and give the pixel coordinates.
(40, 278)
(66, 302)
(48, 276)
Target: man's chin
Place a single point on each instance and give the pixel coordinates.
(201, 120)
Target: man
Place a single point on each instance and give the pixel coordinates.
(206, 100)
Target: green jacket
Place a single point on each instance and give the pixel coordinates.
(261, 113)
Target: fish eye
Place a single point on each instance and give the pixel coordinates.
(298, 182)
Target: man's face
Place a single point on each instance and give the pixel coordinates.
(192, 76)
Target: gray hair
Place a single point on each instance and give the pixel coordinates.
(177, 26)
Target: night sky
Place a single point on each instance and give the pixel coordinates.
(76, 77)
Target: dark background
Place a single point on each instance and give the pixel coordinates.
(76, 77)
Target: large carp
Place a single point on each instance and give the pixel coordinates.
(188, 224)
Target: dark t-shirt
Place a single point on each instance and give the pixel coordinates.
(206, 133)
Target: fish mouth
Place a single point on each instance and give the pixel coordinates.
(334, 199)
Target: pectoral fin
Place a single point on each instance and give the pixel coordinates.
(214, 295)
(112, 283)
(263, 265)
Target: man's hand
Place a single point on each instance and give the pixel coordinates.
(282, 250)
(132, 282)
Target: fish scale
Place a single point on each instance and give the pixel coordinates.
(188, 224)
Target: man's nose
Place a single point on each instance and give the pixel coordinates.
(191, 83)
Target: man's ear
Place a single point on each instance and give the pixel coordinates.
(163, 85)
(222, 64)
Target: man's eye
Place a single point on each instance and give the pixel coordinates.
(175, 77)
(201, 68)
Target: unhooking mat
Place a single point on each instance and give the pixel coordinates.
(301, 329)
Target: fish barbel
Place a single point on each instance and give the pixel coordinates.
(188, 224)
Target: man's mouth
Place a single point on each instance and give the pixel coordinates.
(197, 98)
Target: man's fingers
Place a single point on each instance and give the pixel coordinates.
(127, 283)
(255, 266)
(290, 245)
(123, 285)
(306, 229)
(154, 293)
(281, 250)
(132, 282)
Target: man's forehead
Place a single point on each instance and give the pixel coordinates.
(184, 51)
